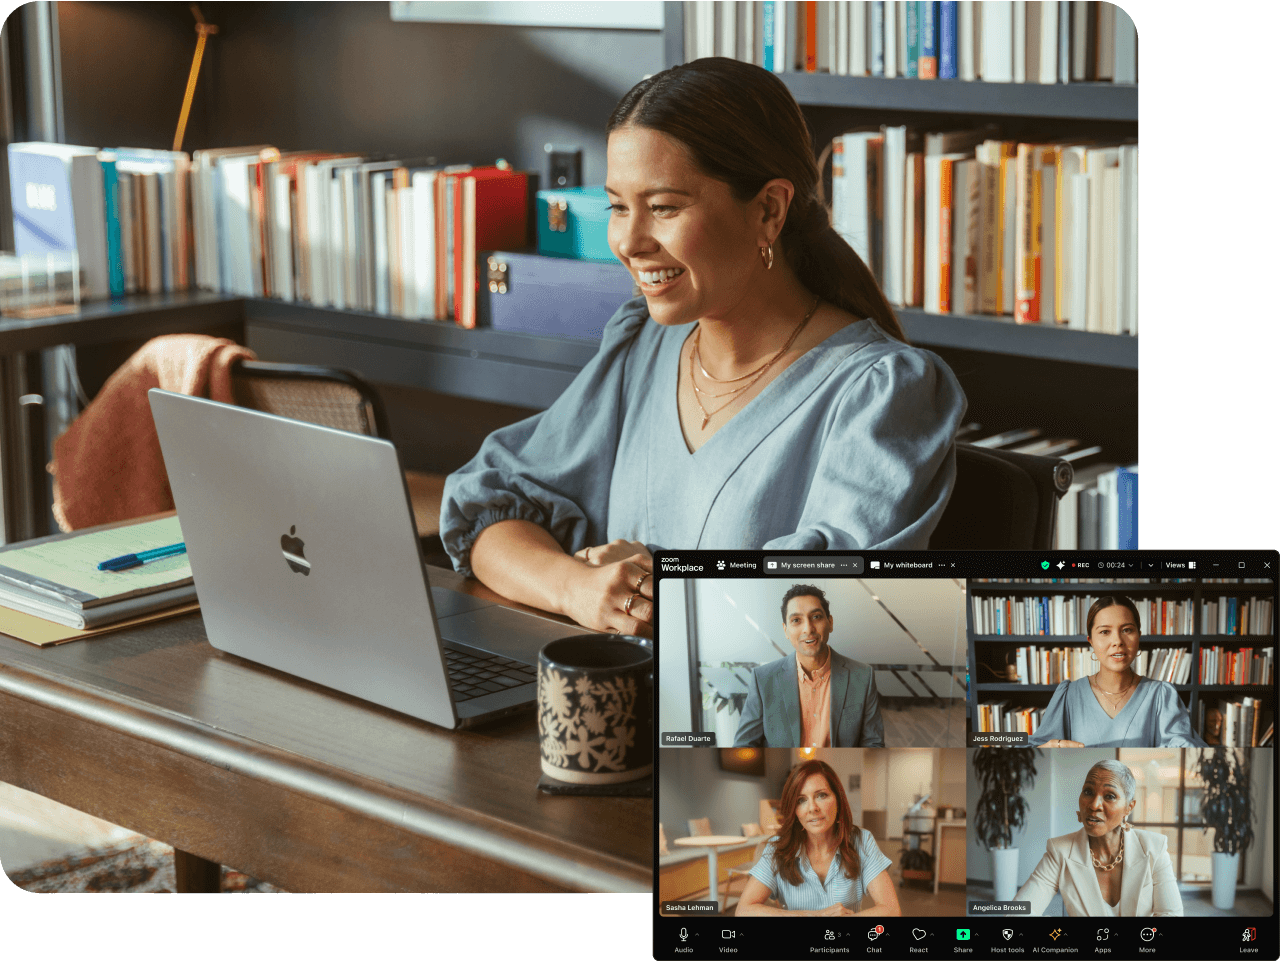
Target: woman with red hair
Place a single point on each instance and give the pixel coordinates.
(821, 864)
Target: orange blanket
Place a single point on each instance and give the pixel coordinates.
(107, 466)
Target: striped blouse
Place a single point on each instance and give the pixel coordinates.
(814, 894)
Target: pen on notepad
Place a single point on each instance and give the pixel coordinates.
(126, 561)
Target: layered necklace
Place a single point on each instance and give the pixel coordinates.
(1115, 698)
(695, 357)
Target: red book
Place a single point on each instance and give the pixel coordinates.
(810, 36)
(944, 237)
(490, 213)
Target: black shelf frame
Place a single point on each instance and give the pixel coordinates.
(1193, 590)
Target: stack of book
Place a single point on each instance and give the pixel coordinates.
(52, 591)
(1003, 42)
(963, 222)
(1000, 716)
(1066, 615)
(1237, 615)
(1244, 723)
(1247, 665)
(397, 237)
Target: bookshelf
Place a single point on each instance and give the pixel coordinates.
(1070, 383)
(994, 650)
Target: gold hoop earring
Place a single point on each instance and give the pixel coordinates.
(766, 255)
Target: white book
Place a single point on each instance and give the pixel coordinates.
(1064, 41)
(1106, 27)
(727, 28)
(408, 281)
(893, 174)
(424, 242)
(856, 228)
(1021, 662)
(317, 236)
(1124, 253)
(997, 41)
(1126, 53)
(1130, 237)
(1072, 235)
(748, 34)
(782, 14)
(891, 37)
(1048, 242)
(237, 244)
(282, 233)
(381, 255)
(1101, 250)
(842, 38)
(964, 253)
(823, 41)
(1019, 41)
(1108, 512)
(858, 38)
(832, 19)
(706, 29)
(965, 63)
(1009, 219)
(1111, 235)
(337, 241)
(1048, 42)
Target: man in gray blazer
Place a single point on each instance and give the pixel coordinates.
(772, 717)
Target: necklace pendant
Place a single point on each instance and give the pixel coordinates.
(705, 418)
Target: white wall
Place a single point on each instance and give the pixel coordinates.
(673, 659)
(846, 761)
(911, 773)
(692, 785)
(1258, 860)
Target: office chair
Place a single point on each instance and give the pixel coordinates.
(337, 398)
(1002, 501)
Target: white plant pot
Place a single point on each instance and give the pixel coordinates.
(727, 727)
(1004, 872)
(1225, 867)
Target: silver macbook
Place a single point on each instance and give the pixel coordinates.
(306, 559)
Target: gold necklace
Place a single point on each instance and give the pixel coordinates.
(1114, 861)
(1103, 691)
(759, 372)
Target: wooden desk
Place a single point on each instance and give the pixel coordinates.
(296, 784)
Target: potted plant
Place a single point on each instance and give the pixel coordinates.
(1004, 774)
(1226, 807)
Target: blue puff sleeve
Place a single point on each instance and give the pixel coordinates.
(1053, 725)
(888, 462)
(553, 468)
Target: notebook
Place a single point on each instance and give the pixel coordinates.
(306, 559)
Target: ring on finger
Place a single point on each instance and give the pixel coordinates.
(626, 608)
(640, 583)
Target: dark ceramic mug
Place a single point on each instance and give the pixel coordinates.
(595, 709)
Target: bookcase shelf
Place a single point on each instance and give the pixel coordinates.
(1193, 694)
(1079, 101)
(1015, 376)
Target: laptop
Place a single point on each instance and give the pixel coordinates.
(306, 559)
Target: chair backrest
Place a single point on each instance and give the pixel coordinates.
(662, 840)
(751, 829)
(700, 827)
(329, 396)
(1002, 501)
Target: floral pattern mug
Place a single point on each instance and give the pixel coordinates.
(595, 710)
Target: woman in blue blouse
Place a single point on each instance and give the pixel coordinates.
(821, 864)
(759, 394)
(1116, 707)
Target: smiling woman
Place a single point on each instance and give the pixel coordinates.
(1115, 707)
(758, 395)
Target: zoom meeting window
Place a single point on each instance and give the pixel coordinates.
(993, 755)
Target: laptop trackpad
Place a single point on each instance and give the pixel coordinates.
(507, 633)
(449, 603)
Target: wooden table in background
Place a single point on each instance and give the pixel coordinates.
(235, 763)
(711, 842)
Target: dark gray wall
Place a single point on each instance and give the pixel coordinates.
(343, 76)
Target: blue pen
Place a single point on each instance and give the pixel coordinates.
(127, 561)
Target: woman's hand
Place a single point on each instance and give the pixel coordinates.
(1063, 743)
(616, 550)
(835, 911)
(615, 595)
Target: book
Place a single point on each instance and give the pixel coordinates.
(964, 237)
(997, 41)
(57, 577)
(928, 65)
(491, 206)
(858, 38)
(948, 53)
(912, 65)
(56, 192)
(893, 191)
(111, 207)
(875, 37)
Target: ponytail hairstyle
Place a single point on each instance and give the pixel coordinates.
(742, 126)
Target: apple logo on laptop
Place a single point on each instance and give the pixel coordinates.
(292, 548)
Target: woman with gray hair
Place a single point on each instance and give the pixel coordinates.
(1108, 868)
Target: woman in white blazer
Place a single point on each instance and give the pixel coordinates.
(1108, 868)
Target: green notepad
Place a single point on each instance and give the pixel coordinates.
(64, 570)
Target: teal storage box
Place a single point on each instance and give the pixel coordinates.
(574, 222)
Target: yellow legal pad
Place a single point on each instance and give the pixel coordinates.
(38, 631)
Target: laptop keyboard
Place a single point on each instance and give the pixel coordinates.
(474, 674)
